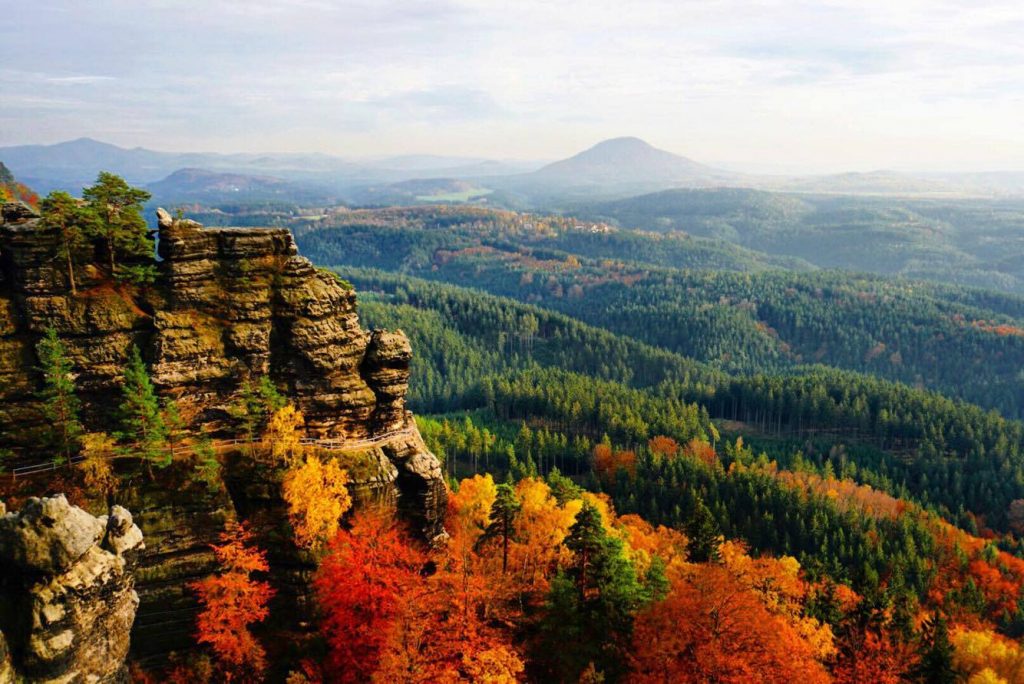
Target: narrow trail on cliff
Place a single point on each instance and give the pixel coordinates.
(221, 445)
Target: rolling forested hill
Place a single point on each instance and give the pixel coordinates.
(675, 421)
(734, 310)
(968, 242)
(469, 344)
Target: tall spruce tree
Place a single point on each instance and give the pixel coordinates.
(703, 533)
(591, 605)
(60, 405)
(503, 516)
(936, 665)
(143, 430)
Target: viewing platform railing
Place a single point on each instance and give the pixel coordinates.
(330, 444)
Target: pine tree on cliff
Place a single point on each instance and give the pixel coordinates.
(121, 227)
(257, 401)
(60, 405)
(143, 430)
(73, 222)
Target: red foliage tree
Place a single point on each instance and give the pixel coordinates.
(361, 586)
(872, 656)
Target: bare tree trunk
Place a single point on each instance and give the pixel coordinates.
(71, 273)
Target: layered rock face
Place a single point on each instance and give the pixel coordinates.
(67, 592)
(229, 305)
(98, 327)
(242, 302)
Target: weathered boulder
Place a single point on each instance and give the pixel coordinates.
(67, 592)
(48, 536)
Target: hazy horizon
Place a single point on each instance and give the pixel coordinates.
(768, 86)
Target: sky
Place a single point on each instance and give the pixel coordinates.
(822, 86)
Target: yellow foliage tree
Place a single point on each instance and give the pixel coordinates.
(317, 497)
(97, 468)
(987, 657)
(497, 665)
(540, 528)
(284, 435)
(646, 542)
(472, 504)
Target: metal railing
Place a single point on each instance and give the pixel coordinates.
(332, 444)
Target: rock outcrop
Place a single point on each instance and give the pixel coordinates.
(67, 592)
(229, 305)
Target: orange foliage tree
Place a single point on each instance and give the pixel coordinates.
(873, 656)
(231, 601)
(663, 446)
(712, 628)
(608, 463)
(700, 450)
(441, 633)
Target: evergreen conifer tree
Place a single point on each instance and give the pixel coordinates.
(592, 603)
(120, 227)
(60, 405)
(143, 429)
(257, 401)
(73, 222)
(936, 664)
(703, 533)
(503, 515)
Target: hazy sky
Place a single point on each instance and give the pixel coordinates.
(822, 85)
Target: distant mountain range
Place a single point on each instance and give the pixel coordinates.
(613, 169)
(73, 164)
(623, 167)
(199, 185)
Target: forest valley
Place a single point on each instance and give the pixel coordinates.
(622, 503)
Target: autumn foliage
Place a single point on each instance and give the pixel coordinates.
(231, 601)
(365, 581)
(520, 571)
(711, 627)
(397, 612)
(608, 463)
(317, 497)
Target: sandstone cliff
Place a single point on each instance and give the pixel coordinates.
(228, 305)
(67, 596)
